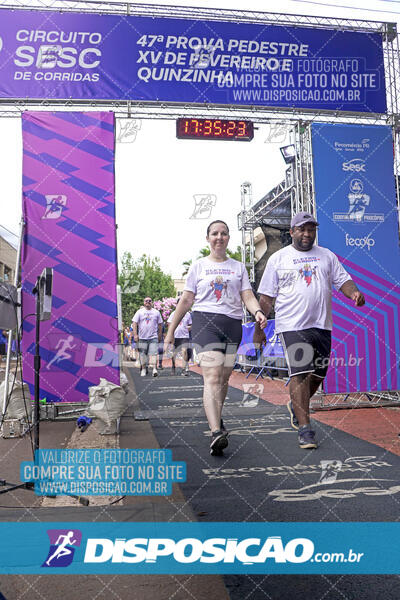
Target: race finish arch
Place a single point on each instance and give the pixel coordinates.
(169, 62)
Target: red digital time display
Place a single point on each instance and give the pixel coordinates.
(214, 129)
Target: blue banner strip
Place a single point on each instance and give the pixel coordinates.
(200, 548)
(356, 208)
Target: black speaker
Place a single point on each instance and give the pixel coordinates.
(45, 293)
(8, 306)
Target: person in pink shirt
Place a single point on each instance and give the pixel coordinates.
(216, 286)
(147, 332)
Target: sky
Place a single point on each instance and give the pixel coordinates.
(159, 178)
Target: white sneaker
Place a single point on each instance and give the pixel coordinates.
(143, 373)
(155, 372)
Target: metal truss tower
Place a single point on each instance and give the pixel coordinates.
(246, 226)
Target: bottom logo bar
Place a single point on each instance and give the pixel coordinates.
(199, 548)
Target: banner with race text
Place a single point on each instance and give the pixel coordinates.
(69, 214)
(63, 55)
(357, 212)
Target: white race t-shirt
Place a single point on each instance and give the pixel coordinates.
(217, 286)
(182, 330)
(147, 321)
(302, 284)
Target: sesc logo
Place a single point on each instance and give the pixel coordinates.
(356, 186)
(355, 165)
(366, 241)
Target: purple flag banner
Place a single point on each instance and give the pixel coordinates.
(69, 213)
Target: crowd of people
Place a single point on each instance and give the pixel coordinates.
(144, 340)
(298, 280)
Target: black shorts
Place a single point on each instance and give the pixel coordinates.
(307, 351)
(185, 342)
(212, 331)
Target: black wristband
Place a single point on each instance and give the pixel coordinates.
(261, 311)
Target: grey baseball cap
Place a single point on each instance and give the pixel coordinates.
(301, 219)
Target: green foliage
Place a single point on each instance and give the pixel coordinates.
(186, 266)
(139, 278)
(203, 252)
(236, 254)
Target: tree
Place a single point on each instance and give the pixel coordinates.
(186, 266)
(139, 278)
(236, 254)
(203, 252)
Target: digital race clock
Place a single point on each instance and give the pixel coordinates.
(214, 129)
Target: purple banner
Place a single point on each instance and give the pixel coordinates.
(55, 55)
(69, 211)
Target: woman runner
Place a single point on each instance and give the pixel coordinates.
(216, 286)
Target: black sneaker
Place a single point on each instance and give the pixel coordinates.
(306, 438)
(222, 427)
(293, 419)
(219, 441)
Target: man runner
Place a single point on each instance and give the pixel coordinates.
(300, 278)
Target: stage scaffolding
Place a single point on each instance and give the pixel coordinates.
(299, 177)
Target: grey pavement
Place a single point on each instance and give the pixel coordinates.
(24, 505)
